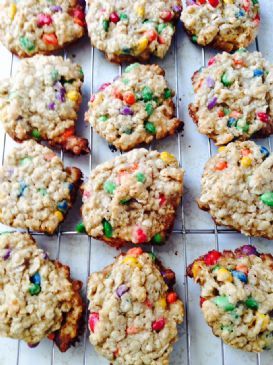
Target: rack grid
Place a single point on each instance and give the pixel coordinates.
(182, 232)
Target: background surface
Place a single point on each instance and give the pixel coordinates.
(194, 232)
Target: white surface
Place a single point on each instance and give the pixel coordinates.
(203, 347)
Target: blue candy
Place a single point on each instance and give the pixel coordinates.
(239, 275)
(231, 122)
(264, 151)
(241, 13)
(22, 189)
(62, 206)
(258, 72)
(70, 187)
(36, 279)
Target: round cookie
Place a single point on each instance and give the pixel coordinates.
(28, 27)
(129, 30)
(223, 24)
(41, 102)
(39, 298)
(134, 311)
(36, 190)
(237, 189)
(135, 108)
(133, 198)
(236, 296)
(234, 97)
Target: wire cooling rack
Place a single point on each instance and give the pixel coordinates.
(194, 232)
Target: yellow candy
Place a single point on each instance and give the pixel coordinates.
(132, 261)
(59, 215)
(264, 318)
(195, 269)
(161, 303)
(246, 161)
(229, 1)
(221, 149)
(142, 45)
(140, 10)
(167, 157)
(73, 95)
(99, 98)
(224, 275)
(12, 11)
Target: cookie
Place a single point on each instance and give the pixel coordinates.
(135, 108)
(36, 190)
(39, 298)
(234, 97)
(236, 296)
(41, 102)
(132, 30)
(223, 24)
(133, 198)
(134, 311)
(237, 189)
(28, 27)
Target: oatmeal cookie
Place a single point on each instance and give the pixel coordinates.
(28, 27)
(36, 190)
(133, 198)
(236, 296)
(129, 30)
(224, 24)
(134, 311)
(39, 298)
(135, 108)
(237, 189)
(234, 97)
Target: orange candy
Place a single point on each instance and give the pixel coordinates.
(221, 114)
(221, 165)
(136, 251)
(242, 268)
(171, 297)
(68, 133)
(245, 151)
(129, 98)
(50, 38)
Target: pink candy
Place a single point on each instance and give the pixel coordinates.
(43, 19)
(93, 319)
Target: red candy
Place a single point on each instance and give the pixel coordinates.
(202, 300)
(140, 236)
(201, 2)
(104, 86)
(211, 61)
(117, 94)
(166, 15)
(212, 257)
(214, 3)
(171, 297)
(78, 13)
(159, 324)
(93, 319)
(161, 40)
(151, 35)
(114, 18)
(263, 117)
(162, 199)
(43, 19)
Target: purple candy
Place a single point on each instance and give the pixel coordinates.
(7, 255)
(122, 289)
(82, 3)
(177, 8)
(212, 103)
(60, 91)
(51, 106)
(249, 250)
(56, 8)
(210, 82)
(190, 2)
(126, 110)
(32, 345)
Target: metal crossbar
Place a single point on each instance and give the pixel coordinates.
(183, 232)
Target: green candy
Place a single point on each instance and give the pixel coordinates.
(267, 198)
(36, 134)
(42, 191)
(241, 50)
(158, 239)
(150, 127)
(109, 187)
(152, 256)
(125, 81)
(252, 303)
(147, 93)
(80, 228)
(105, 25)
(103, 118)
(161, 27)
(223, 303)
(27, 44)
(125, 201)
(194, 38)
(227, 111)
(54, 74)
(149, 108)
(24, 161)
(126, 50)
(255, 2)
(242, 126)
(128, 131)
(123, 16)
(107, 228)
(131, 67)
(225, 80)
(167, 94)
(156, 99)
(34, 289)
(216, 267)
(140, 177)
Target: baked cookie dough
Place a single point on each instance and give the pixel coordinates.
(41, 102)
(135, 108)
(127, 30)
(234, 97)
(36, 191)
(28, 27)
(133, 198)
(38, 296)
(223, 24)
(237, 189)
(236, 296)
(134, 311)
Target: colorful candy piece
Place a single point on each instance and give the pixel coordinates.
(267, 198)
(172, 297)
(264, 151)
(93, 320)
(212, 103)
(252, 303)
(36, 134)
(132, 261)
(169, 277)
(142, 44)
(103, 118)
(263, 117)
(220, 166)
(150, 127)
(258, 73)
(140, 177)
(129, 98)
(224, 275)
(34, 289)
(223, 303)
(135, 251)
(225, 80)
(107, 228)
(149, 108)
(147, 93)
(109, 187)
(105, 25)
(27, 44)
(139, 236)
(161, 303)
(43, 19)
(36, 278)
(246, 161)
(242, 268)
(264, 319)
(122, 289)
(50, 38)
(166, 15)
(158, 239)
(62, 206)
(214, 3)
(249, 250)
(59, 215)
(12, 11)
(73, 96)
(167, 157)
(7, 254)
(212, 257)
(114, 17)
(126, 110)
(158, 325)
(80, 228)
(240, 276)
